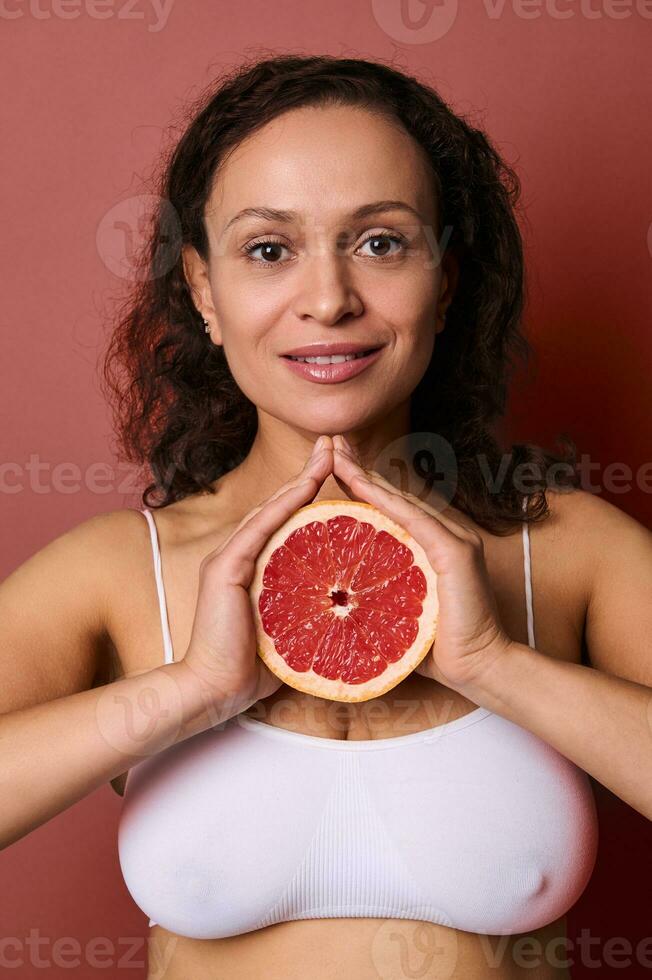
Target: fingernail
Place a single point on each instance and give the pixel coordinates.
(321, 442)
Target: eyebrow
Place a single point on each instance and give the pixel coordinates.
(365, 211)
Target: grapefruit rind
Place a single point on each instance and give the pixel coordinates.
(310, 682)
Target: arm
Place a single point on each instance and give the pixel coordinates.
(598, 716)
(600, 722)
(56, 753)
(59, 739)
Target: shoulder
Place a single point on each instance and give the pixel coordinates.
(100, 528)
(592, 522)
(591, 533)
(611, 552)
(80, 552)
(55, 606)
(96, 557)
(113, 551)
(580, 515)
(93, 543)
(563, 539)
(117, 544)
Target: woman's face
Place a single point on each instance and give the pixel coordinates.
(320, 272)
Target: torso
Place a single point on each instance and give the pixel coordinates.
(357, 948)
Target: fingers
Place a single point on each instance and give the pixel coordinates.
(443, 546)
(318, 465)
(239, 544)
(347, 467)
(237, 558)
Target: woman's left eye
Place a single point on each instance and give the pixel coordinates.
(374, 240)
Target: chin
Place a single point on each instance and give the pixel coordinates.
(332, 420)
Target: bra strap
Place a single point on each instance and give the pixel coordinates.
(160, 588)
(527, 564)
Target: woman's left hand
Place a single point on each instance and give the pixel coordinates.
(470, 636)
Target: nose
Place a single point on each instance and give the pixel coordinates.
(325, 290)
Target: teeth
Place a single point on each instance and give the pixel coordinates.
(333, 359)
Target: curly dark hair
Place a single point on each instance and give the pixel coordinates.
(176, 406)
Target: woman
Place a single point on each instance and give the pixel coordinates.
(309, 198)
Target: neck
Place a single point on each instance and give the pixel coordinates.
(279, 452)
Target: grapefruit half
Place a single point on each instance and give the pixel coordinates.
(344, 601)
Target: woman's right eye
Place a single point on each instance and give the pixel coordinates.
(270, 248)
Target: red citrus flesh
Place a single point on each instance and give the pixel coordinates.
(344, 601)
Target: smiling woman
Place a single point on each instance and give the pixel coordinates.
(348, 273)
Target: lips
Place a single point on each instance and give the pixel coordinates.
(326, 350)
(335, 371)
(331, 358)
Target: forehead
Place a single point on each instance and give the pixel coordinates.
(326, 160)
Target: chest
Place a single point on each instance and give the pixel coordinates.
(476, 824)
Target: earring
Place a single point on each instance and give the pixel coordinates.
(207, 326)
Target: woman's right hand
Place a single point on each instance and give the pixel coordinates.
(222, 650)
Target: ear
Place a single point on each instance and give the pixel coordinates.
(449, 280)
(195, 270)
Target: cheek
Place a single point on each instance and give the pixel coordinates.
(245, 317)
(241, 293)
(413, 318)
(418, 347)
(255, 306)
(415, 340)
(411, 296)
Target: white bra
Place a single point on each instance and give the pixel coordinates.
(475, 823)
